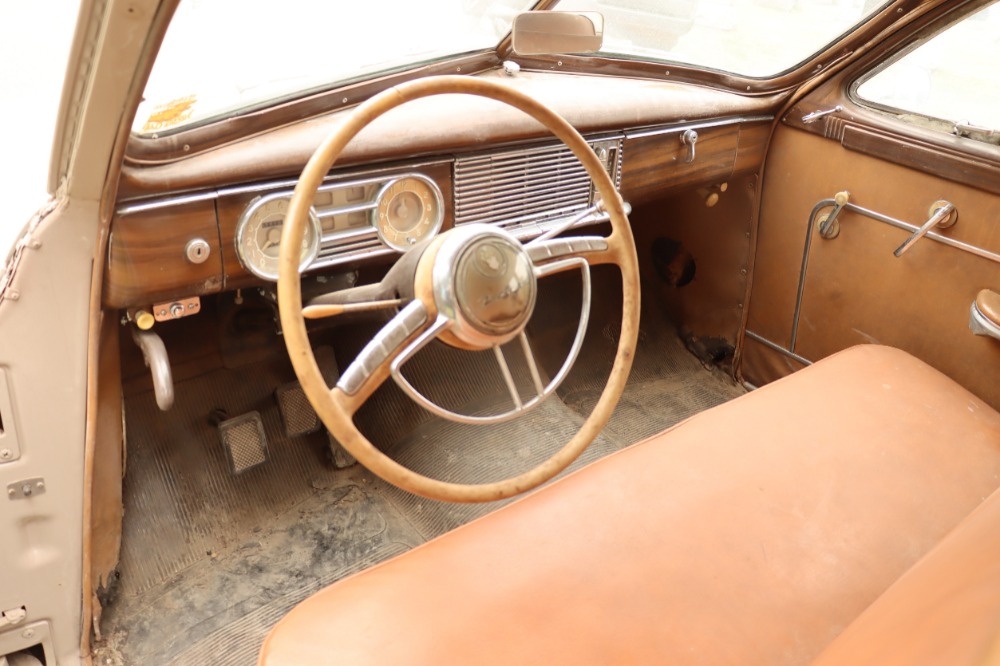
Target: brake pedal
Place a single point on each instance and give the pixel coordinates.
(244, 440)
(296, 412)
(338, 454)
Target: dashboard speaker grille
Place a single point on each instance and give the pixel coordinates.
(522, 188)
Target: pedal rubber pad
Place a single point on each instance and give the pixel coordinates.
(244, 440)
(296, 412)
(341, 458)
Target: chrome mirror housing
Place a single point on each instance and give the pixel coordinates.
(541, 33)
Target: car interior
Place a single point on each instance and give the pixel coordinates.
(541, 354)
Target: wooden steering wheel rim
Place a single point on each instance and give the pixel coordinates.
(334, 407)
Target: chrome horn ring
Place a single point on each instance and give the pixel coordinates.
(485, 288)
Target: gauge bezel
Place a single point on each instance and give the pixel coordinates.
(308, 257)
(436, 223)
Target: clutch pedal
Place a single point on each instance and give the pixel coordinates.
(244, 440)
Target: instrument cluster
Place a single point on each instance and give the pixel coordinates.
(394, 212)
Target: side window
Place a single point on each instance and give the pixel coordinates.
(950, 82)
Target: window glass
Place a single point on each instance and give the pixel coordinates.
(952, 77)
(754, 38)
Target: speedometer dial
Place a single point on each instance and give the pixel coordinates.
(258, 236)
(408, 210)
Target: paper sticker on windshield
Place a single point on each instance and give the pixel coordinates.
(171, 114)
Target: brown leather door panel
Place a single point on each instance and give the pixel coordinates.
(851, 289)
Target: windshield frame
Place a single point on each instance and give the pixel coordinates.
(878, 24)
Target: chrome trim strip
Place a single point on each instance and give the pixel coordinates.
(776, 347)
(345, 210)
(140, 205)
(681, 126)
(143, 206)
(336, 178)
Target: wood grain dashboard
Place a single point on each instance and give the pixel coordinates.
(150, 246)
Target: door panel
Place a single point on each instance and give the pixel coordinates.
(851, 289)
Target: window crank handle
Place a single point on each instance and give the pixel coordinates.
(942, 216)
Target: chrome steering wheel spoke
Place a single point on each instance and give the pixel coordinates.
(542, 390)
(385, 347)
(559, 248)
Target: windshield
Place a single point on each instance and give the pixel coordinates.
(753, 38)
(223, 56)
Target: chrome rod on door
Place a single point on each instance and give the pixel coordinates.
(942, 215)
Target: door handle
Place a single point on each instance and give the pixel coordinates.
(984, 315)
(689, 138)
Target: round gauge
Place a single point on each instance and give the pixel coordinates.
(408, 210)
(258, 236)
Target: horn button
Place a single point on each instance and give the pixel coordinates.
(494, 289)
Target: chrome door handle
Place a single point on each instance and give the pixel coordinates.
(942, 215)
(984, 314)
(816, 115)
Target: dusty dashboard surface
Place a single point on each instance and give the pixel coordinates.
(171, 246)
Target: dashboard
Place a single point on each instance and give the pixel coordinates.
(168, 248)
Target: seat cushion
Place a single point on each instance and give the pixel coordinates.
(752, 533)
(944, 611)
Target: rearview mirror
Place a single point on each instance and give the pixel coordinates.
(543, 33)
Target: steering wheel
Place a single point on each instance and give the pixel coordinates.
(472, 287)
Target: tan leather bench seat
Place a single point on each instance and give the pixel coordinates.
(753, 533)
(945, 610)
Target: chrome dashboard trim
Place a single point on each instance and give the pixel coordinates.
(369, 174)
(142, 206)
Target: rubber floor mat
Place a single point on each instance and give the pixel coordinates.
(474, 454)
(178, 486)
(219, 610)
(667, 383)
(210, 561)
